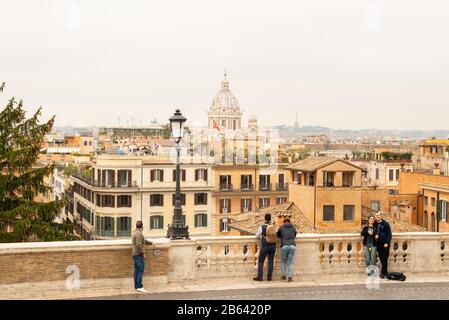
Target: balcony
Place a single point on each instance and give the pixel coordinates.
(281, 186)
(265, 187)
(247, 187)
(104, 184)
(226, 187)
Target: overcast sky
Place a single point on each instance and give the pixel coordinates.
(343, 64)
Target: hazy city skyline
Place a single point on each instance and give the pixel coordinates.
(350, 65)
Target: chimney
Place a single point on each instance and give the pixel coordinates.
(437, 170)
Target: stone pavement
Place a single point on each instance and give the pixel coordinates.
(329, 288)
(387, 291)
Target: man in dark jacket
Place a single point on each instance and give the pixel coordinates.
(383, 239)
(266, 249)
(287, 233)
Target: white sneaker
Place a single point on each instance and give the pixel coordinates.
(142, 290)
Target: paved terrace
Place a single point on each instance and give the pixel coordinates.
(326, 266)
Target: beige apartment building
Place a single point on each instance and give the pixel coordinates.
(431, 153)
(383, 173)
(246, 188)
(328, 191)
(125, 189)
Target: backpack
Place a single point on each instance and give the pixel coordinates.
(398, 276)
(271, 234)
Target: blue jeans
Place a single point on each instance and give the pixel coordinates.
(288, 254)
(370, 255)
(139, 266)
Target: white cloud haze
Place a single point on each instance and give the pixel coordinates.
(343, 64)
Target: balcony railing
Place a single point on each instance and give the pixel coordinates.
(104, 184)
(265, 187)
(226, 187)
(247, 187)
(326, 257)
(281, 186)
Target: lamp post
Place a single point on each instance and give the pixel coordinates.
(177, 230)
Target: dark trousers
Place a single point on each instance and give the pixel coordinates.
(264, 252)
(139, 266)
(384, 253)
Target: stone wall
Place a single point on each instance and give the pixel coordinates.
(42, 262)
(210, 258)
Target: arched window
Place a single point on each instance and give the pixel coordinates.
(433, 222)
(426, 219)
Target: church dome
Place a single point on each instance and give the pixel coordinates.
(252, 117)
(225, 100)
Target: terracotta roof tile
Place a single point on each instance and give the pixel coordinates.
(248, 223)
(396, 224)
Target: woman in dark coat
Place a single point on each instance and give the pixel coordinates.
(369, 235)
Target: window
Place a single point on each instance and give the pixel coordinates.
(377, 173)
(426, 201)
(264, 182)
(108, 178)
(124, 227)
(223, 123)
(310, 179)
(224, 225)
(426, 219)
(183, 175)
(84, 213)
(108, 201)
(375, 205)
(90, 143)
(183, 199)
(280, 200)
(105, 226)
(264, 202)
(348, 212)
(157, 222)
(201, 175)
(200, 220)
(281, 179)
(200, 198)
(246, 181)
(391, 174)
(297, 177)
(157, 175)
(85, 143)
(348, 178)
(246, 204)
(156, 200)
(328, 213)
(328, 178)
(225, 183)
(225, 205)
(433, 222)
(442, 210)
(124, 178)
(433, 201)
(124, 201)
(397, 174)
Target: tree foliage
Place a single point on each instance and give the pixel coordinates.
(21, 180)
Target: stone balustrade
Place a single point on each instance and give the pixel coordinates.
(210, 258)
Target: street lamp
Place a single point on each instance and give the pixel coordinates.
(177, 230)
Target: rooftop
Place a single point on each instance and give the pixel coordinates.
(248, 223)
(315, 163)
